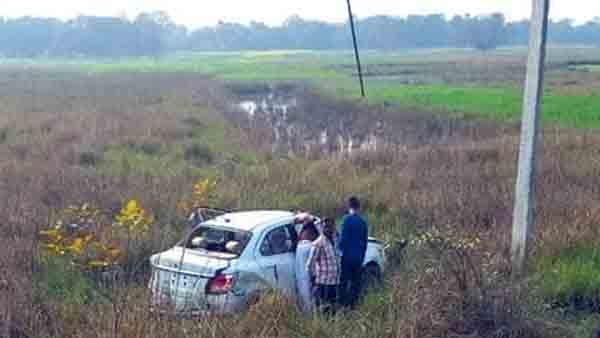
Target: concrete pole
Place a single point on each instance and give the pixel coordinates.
(523, 209)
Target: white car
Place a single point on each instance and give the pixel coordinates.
(226, 262)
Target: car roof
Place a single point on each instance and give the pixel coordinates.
(250, 220)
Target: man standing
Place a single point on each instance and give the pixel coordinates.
(307, 236)
(352, 245)
(324, 266)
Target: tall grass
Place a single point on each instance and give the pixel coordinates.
(465, 184)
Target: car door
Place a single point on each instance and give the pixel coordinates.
(276, 257)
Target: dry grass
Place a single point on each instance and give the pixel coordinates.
(464, 181)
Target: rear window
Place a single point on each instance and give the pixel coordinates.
(218, 240)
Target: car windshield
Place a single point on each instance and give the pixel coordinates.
(216, 239)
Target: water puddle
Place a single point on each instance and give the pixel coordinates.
(295, 120)
(303, 127)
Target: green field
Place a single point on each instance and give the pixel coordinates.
(460, 82)
(588, 68)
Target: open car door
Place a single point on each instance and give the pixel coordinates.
(276, 256)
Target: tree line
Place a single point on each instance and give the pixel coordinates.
(154, 33)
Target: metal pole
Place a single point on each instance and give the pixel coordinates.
(356, 55)
(523, 209)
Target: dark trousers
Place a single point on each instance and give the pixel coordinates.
(326, 298)
(350, 283)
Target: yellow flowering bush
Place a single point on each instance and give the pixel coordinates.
(84, 236)
(134, 219)
(77, 235)
(202, 192)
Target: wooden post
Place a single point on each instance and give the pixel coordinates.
(356, 55)
(523, 209)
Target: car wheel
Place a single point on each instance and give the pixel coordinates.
(253, 299)
(371, 276)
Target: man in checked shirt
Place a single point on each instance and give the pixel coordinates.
(324, 266)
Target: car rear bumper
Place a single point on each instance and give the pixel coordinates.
(180, 314)
(209, 305)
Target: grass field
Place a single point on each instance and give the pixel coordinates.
(460, 82)
(102, 133)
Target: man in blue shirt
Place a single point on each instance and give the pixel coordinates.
(352, 246)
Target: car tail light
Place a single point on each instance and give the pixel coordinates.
(220, 284)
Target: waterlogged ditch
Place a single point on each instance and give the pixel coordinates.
(295, 119)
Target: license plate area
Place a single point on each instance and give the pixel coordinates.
(183, 291)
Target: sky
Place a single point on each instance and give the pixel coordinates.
(273, 12)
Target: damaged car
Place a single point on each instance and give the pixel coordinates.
(226, 262)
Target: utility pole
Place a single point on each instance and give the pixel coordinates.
(356, 55)
(523, 209)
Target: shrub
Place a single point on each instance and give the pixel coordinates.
(451, 290)
(571, 278)
(198, 154)
(3, 135)
(147, 148)
(194, 122)
(62, 282)
(83, 238)
(202, 192)
(247, 89)
(195, 127)
(150, 148)
(89, 159)
(80, 237)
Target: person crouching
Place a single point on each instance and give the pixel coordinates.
(324, 266)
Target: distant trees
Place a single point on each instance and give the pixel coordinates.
(28, 37)
(590, 32)
(517, 32)
(149, 34)
(487, 32)
(416, 31)
(94, 36)
(154, 33)
(388, 32)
